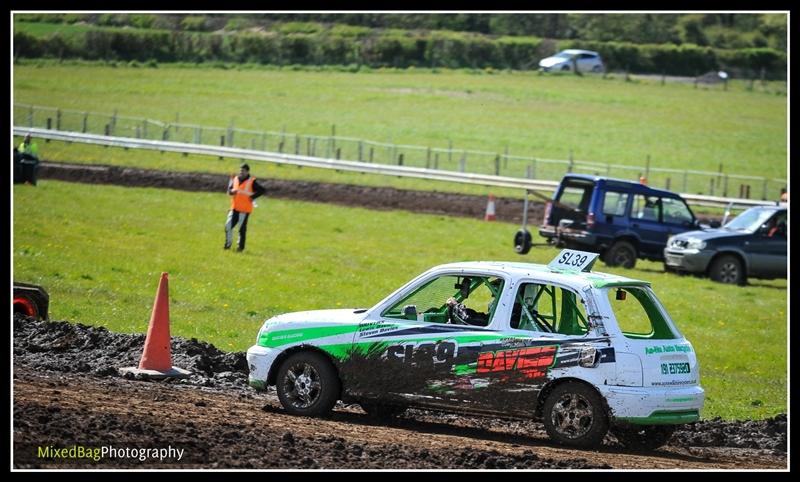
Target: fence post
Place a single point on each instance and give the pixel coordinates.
(371, 153)
(58, 119)
(685, 181)
(647, 168)
(313, 146)
(49, 123)
(308, 146)
(436, 161)
(296, 144)
(107, 130)
(747, 191)
(428, 158)
(505, 161)
(668, 183)
(719, 176)
(333, 136)
(114, 122)
(138, 131)
(569, 167)
(462, 165)
(85, 121)
(725, 186)
(497, 165)
(764, 192)
(280, 146)
(400, 159)
(449, 150)
(221, 143)
(711, 186)
(165, 136)
(338, 153)
(528, 171)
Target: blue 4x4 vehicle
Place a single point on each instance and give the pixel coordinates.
(620, 220)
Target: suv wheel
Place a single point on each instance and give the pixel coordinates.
(644, 437)
(621, 253)
(574, 415)
(728, 269)
(307, 384)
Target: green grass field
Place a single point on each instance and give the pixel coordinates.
(545, 116)
(99, 251)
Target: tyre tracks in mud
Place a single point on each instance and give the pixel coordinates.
(239, 429)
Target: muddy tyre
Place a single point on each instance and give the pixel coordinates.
(307, 384)
(379, 411)
(644, 437)
(728, 269)
(574, 415)
(31, 300)
(621, 253)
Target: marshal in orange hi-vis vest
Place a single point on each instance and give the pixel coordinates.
(241, 201)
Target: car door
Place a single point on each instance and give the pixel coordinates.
(645, 221)
(766, 249)
(412, 355)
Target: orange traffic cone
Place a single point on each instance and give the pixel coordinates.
(490, 214)
(156, 359)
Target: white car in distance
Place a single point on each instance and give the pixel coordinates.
(586, 60)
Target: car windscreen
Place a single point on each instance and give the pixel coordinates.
(750, 220)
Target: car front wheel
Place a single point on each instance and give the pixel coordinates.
(728, 269)
(621, 253)
(307, 384)
(574, 416)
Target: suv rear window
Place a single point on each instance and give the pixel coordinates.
(576, 194)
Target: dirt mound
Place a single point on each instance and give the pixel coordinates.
(769, 434)
(66, 347)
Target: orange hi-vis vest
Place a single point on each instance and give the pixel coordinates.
(241, 201)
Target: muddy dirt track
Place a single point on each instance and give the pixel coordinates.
(67, 393)
(344, 194)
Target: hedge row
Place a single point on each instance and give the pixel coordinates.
(388, 48)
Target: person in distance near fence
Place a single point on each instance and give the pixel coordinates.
(243, 190)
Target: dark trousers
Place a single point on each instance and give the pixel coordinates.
(30, 168)
(233, 218)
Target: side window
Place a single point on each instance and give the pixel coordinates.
(614, 203)
(676, 211)
(587, 56)
(778, 226)
(550, 309)
(637, 314)
(473, 301)
(646, 208)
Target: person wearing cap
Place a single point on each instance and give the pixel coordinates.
(29, 160)
(243, 190)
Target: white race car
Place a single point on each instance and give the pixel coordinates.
(584, 352)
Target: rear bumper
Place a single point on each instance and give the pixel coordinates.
(568, 236)
(654, 406)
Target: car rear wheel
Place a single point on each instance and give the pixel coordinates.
(574, 415)
(621, 253)
(597, 69)
(307, 384)
(728, 269)
(644, 437)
